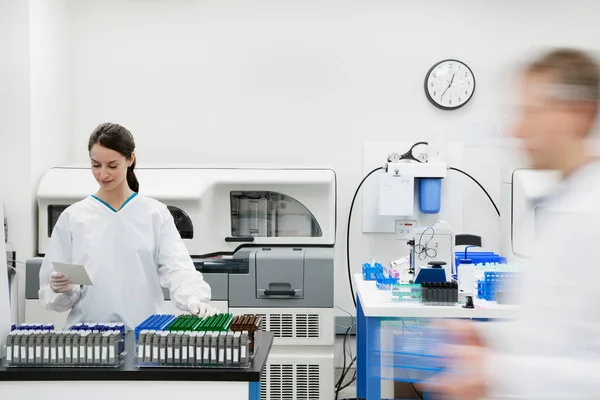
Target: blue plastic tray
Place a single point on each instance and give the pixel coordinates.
(385, 282)
(370, 272)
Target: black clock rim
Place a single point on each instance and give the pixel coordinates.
(432, 101)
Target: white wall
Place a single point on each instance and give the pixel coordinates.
(34, 113)
(280, 83)
(15, 141)
(50, 95)
(50, 70)
(290, 83)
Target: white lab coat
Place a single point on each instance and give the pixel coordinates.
(552, 349)
(129, 254)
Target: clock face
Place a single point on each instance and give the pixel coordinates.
(449, 84)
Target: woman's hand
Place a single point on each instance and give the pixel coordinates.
(463, 377)
(60, 283)
(203, 310)
(461, 332)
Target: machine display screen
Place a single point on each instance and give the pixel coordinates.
(271, 214)
(54, 212)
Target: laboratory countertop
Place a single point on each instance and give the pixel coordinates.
(129, 372)
(378, 303)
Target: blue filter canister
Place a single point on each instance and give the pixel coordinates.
(430, 194)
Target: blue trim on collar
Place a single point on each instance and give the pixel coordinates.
(111, 207)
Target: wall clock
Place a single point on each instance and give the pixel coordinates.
(449, 84)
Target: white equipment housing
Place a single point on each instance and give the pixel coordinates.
(240, 214)
(206, 196)
(301, 364)
(522, 189)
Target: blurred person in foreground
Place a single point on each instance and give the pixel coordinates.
(551, 350)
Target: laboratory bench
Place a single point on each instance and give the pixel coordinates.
(375, 307)
(128, 381)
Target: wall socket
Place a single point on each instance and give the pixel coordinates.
(405, 229)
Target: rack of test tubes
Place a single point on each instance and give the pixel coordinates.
(384, 277)
(85, 345)
(370, 271)
(496, 281)
(428, 293)
(189, 341)
(407, 292)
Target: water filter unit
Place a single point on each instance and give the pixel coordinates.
(398, 187)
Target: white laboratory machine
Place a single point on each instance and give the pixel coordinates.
(522, 192)
(4, 294)
(263, 239)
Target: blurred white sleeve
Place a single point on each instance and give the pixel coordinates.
(59, 250)
(541, 378)
(552, 350)
(176, 270)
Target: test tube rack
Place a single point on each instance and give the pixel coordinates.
(215, 323)
(494, 281)
(247, 323)
(188, 341)
(156, 322)
(102, 346)
(407, 292)
(370, 271)
(32, 327)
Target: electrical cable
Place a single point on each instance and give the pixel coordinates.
(415, 389)
(346, 368)
(347, 384)
(425, 251)
(18, 271)
(478, 184)
(350, 382)
(348, 231)
(346, 371)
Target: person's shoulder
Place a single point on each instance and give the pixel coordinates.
(74, 212)
(77, 207)
(582, 194)
(153, 205)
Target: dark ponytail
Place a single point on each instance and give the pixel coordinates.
(132, 179)
(119, 139)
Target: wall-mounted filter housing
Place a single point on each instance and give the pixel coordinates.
(430, 195)
(398, 186)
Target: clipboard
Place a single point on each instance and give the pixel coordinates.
(77, 273)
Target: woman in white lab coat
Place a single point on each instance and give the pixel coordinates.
(127, 242)
(552, 349)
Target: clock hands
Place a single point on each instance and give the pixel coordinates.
(450, 84)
